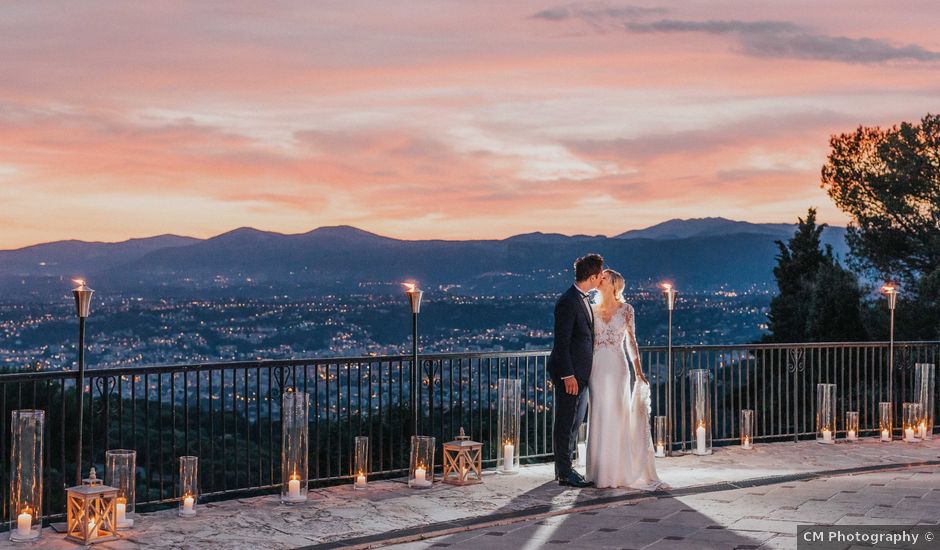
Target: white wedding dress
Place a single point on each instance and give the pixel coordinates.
(619, 447)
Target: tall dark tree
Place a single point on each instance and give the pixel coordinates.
(818, 300)
(797, 263)
(888, 182)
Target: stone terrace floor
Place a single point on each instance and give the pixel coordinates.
(731, 499)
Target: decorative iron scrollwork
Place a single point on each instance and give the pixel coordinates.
(796, 359)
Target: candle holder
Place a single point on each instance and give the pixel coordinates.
(910, 418)
(294, 442)
(91, 510)
(925, 393)
(121, 473)
(659, 429)
(463, 461)
(421, 467)
(701, 412)
(189, 486)
(583, 431)
(826, 413)
(851, 426)
(747, 428)
(26, 431)
(885, 421)
(361, 462)
(509, 396)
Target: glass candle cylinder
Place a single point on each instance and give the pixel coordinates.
(120, 473)
(925, 394)
(188, 485)
(851, 425)
(361, 462)
(701, 412)
(825, 413)
(659, 431)
(910, 418)
(294, 444)
(885, 421)
(508, 420)
(747, 428)
(26, 432)
(421, 467)
(582, 444)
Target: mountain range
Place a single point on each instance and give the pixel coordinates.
(695, 253)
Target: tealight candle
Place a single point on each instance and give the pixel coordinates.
(24, 522)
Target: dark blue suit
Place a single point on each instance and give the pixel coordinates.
(572, 355)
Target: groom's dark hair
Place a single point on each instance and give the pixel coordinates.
(587, 266)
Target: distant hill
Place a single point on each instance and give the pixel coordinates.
(705, 253)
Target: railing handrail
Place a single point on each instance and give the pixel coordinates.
(404, 358)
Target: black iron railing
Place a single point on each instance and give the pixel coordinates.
(228, 414)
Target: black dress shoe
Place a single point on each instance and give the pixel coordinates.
(574, 479)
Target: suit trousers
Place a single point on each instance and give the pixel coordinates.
(570, 413)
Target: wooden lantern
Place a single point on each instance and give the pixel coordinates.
(90, 509)
(463, 461)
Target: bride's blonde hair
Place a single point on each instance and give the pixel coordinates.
(616, 279)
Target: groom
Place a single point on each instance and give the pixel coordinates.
(570, 364)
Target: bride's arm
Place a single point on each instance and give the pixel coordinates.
(633, 350)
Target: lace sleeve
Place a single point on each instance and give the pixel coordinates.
(633, 350)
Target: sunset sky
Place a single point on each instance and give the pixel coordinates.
(439, 119)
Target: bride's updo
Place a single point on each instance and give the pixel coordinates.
(616, 279)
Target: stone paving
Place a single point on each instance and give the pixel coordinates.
(757, 517)
(388, 511)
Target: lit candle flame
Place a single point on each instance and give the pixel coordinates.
(666, 286)
(79, 282)
(27, 510)
(889, 288)
(409, 286)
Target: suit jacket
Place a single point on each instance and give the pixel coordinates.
(573, 346)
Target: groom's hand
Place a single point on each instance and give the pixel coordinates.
(571, 385)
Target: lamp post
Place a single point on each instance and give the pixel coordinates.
(891, 290)
(414, 296)
(82, 307)
(670, 293)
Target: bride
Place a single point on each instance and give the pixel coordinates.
(620, 449)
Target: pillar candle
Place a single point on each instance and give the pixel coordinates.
(908, 434)
(24, 522)
(509, 453)
(700, 439)
(851, 435)
(885, 435)
(827, 435)
(293, 487)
